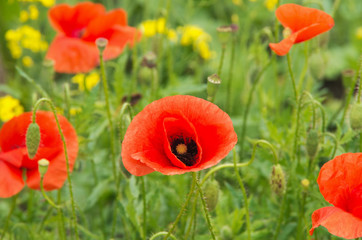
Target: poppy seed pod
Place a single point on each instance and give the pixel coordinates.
(277, 180)
(213, 83)
(43, 166)
(32, 139)
(211, 192)
(356, 117)
(226, 233)
(312, 143)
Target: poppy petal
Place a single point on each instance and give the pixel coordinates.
(72, 20)
(284, 46)
(56, 174)
(143, 141)
(336, 179)
(11, 181)
(72, 55)
(338, 222)
(297, 17)
(311, 31)
(14, 157)
(100, 26)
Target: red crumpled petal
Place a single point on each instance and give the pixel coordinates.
(11, 181)
(338, 177)
(142, 148)
(72, 55)
(284, 46)
(297, 17)
(70, 20)
(338, 222)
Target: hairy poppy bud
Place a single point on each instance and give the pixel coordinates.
(356, 117)
(32, 139)
(213, 83)
(226, 233)
(211, 192)
(43, 166)
(277, 180)
(312, 143)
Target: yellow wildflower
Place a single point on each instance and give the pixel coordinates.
(91, 80)
(24, 16)
(9, 108)
(172, 35)
(33, 12)
(195, 36)
(270, 4)
(47, 3)
(75, 110)
(359, 33)
(27, 61)
(152, 27)
(237, 2)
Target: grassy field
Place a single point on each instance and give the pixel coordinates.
(291, 115)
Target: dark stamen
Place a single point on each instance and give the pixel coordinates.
(190, 156)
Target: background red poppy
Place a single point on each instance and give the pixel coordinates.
(14, 157)
(304, 22)
(148, 140)
(340, 182)
(74, 49)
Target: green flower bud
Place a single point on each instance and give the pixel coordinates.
(213, 83)
(356, 117)
(277, 180)
(211, 192)
(312, 143)
(32, 139)
(43, 166)
(101, 43)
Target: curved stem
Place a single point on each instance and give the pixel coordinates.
(223, 48)
(207, 214)
(247, 215)
(292, 77)
(6, 225)
(182, 208)
(239, 165)
(246, 112)
(50, 103)
(46, 196)
(335, 142)
(154, 236)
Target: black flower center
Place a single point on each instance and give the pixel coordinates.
(185, 149)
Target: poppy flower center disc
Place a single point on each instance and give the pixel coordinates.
(185, 149)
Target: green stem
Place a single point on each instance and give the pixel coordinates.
(351, 90)
(61, 222)
(223, 48)
(31, 81)
(335, 142)
(228, 106)
(295, 146)
(6, 225)
(144, 207)
(246, 112)
(50, 103)
(154, 236)
(49, 211)
(245, 196)
(239, 165)
(183, 208)
(276, 24)
(207, 214)
(292, 77)
(193, 216)
(46, 196)
(280, 219)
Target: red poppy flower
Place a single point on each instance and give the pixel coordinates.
(14, 157)
(177, 134)
(74, 49)
(304, 22)
(340, 182)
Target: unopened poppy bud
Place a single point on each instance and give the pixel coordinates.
(32, 139)
(43, 166)
(277, 180)
(287, 32)
(149, 60)
(305, 183)
(213, 83)
(224, 34)
(226, 233)
(356, 117)
(312, 143)
(101, 43)
(211, 193)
